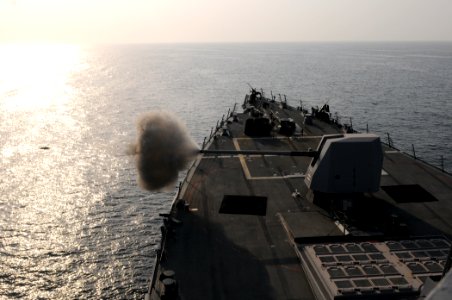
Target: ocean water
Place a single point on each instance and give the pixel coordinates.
(73, 222)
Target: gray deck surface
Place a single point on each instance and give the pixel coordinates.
(227, 256)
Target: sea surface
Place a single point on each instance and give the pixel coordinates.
(73, 222)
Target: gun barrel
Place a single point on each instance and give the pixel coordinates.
(260, 152)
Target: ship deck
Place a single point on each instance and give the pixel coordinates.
(244, 246)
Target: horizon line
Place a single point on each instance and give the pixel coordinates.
(218, 42)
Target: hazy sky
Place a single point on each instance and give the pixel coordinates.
(148, 21)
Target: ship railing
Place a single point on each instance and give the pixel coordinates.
(339, 119)
(180, 190)
(214, 131)
(205, 144)
(439, 165)
(160, 252)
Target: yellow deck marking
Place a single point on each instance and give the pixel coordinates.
(247, 172)
(245, 169)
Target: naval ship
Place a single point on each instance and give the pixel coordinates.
(288, 203)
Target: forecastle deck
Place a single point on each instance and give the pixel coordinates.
(246, 227)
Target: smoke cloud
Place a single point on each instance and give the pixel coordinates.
(164, 147)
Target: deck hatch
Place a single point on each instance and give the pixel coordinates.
(408, 193)
(244, 205)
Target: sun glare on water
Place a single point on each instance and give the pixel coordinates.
(35, 76)
(36, 92)
(44, 154)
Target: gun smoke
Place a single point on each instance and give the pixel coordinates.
(164, 147)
